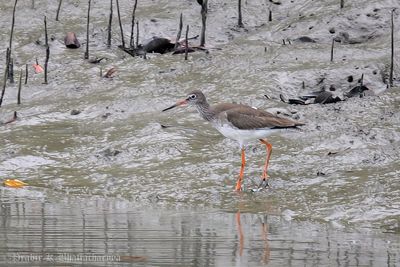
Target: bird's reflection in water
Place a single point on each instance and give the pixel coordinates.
(264, 235)
(240, 234)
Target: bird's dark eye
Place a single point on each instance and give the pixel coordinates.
(192, 97)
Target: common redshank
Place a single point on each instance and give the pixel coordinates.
(241, 123)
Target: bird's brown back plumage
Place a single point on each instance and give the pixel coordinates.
(246, 118)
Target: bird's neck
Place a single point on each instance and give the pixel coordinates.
(205, 111)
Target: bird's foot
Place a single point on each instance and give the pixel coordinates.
(264, 184)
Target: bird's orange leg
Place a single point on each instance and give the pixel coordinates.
(240, 179)
(269, 151)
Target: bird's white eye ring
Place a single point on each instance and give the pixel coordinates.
(192, 96)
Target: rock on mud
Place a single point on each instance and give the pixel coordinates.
(71, 41)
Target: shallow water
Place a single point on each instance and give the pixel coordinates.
(111, 176)
(108, 232)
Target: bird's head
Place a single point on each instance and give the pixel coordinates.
(195, 97)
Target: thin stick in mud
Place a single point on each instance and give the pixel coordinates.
(12, 26)
(109, 25)
(240, 22)
(186, 42)
(58, 9)
(332, 47)
(137, 33)
(19, 87)
(46, 62)
(26, 73)
(362, 80)
(5, 75)
(341, 3)
(178, 36)
(204, 10)
(10, 63)
(391, 51)
(46, 40)
(11, 70)
(269, 15)
(87, 31)
(131, 42)
(120, 25)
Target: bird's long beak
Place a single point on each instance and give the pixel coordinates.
(182, 102)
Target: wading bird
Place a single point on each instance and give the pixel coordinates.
(241, 123)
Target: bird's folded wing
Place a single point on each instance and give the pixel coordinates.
(257, 119)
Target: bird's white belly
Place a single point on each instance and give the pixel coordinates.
(244, 136)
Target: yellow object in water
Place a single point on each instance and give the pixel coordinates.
(14, 183)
